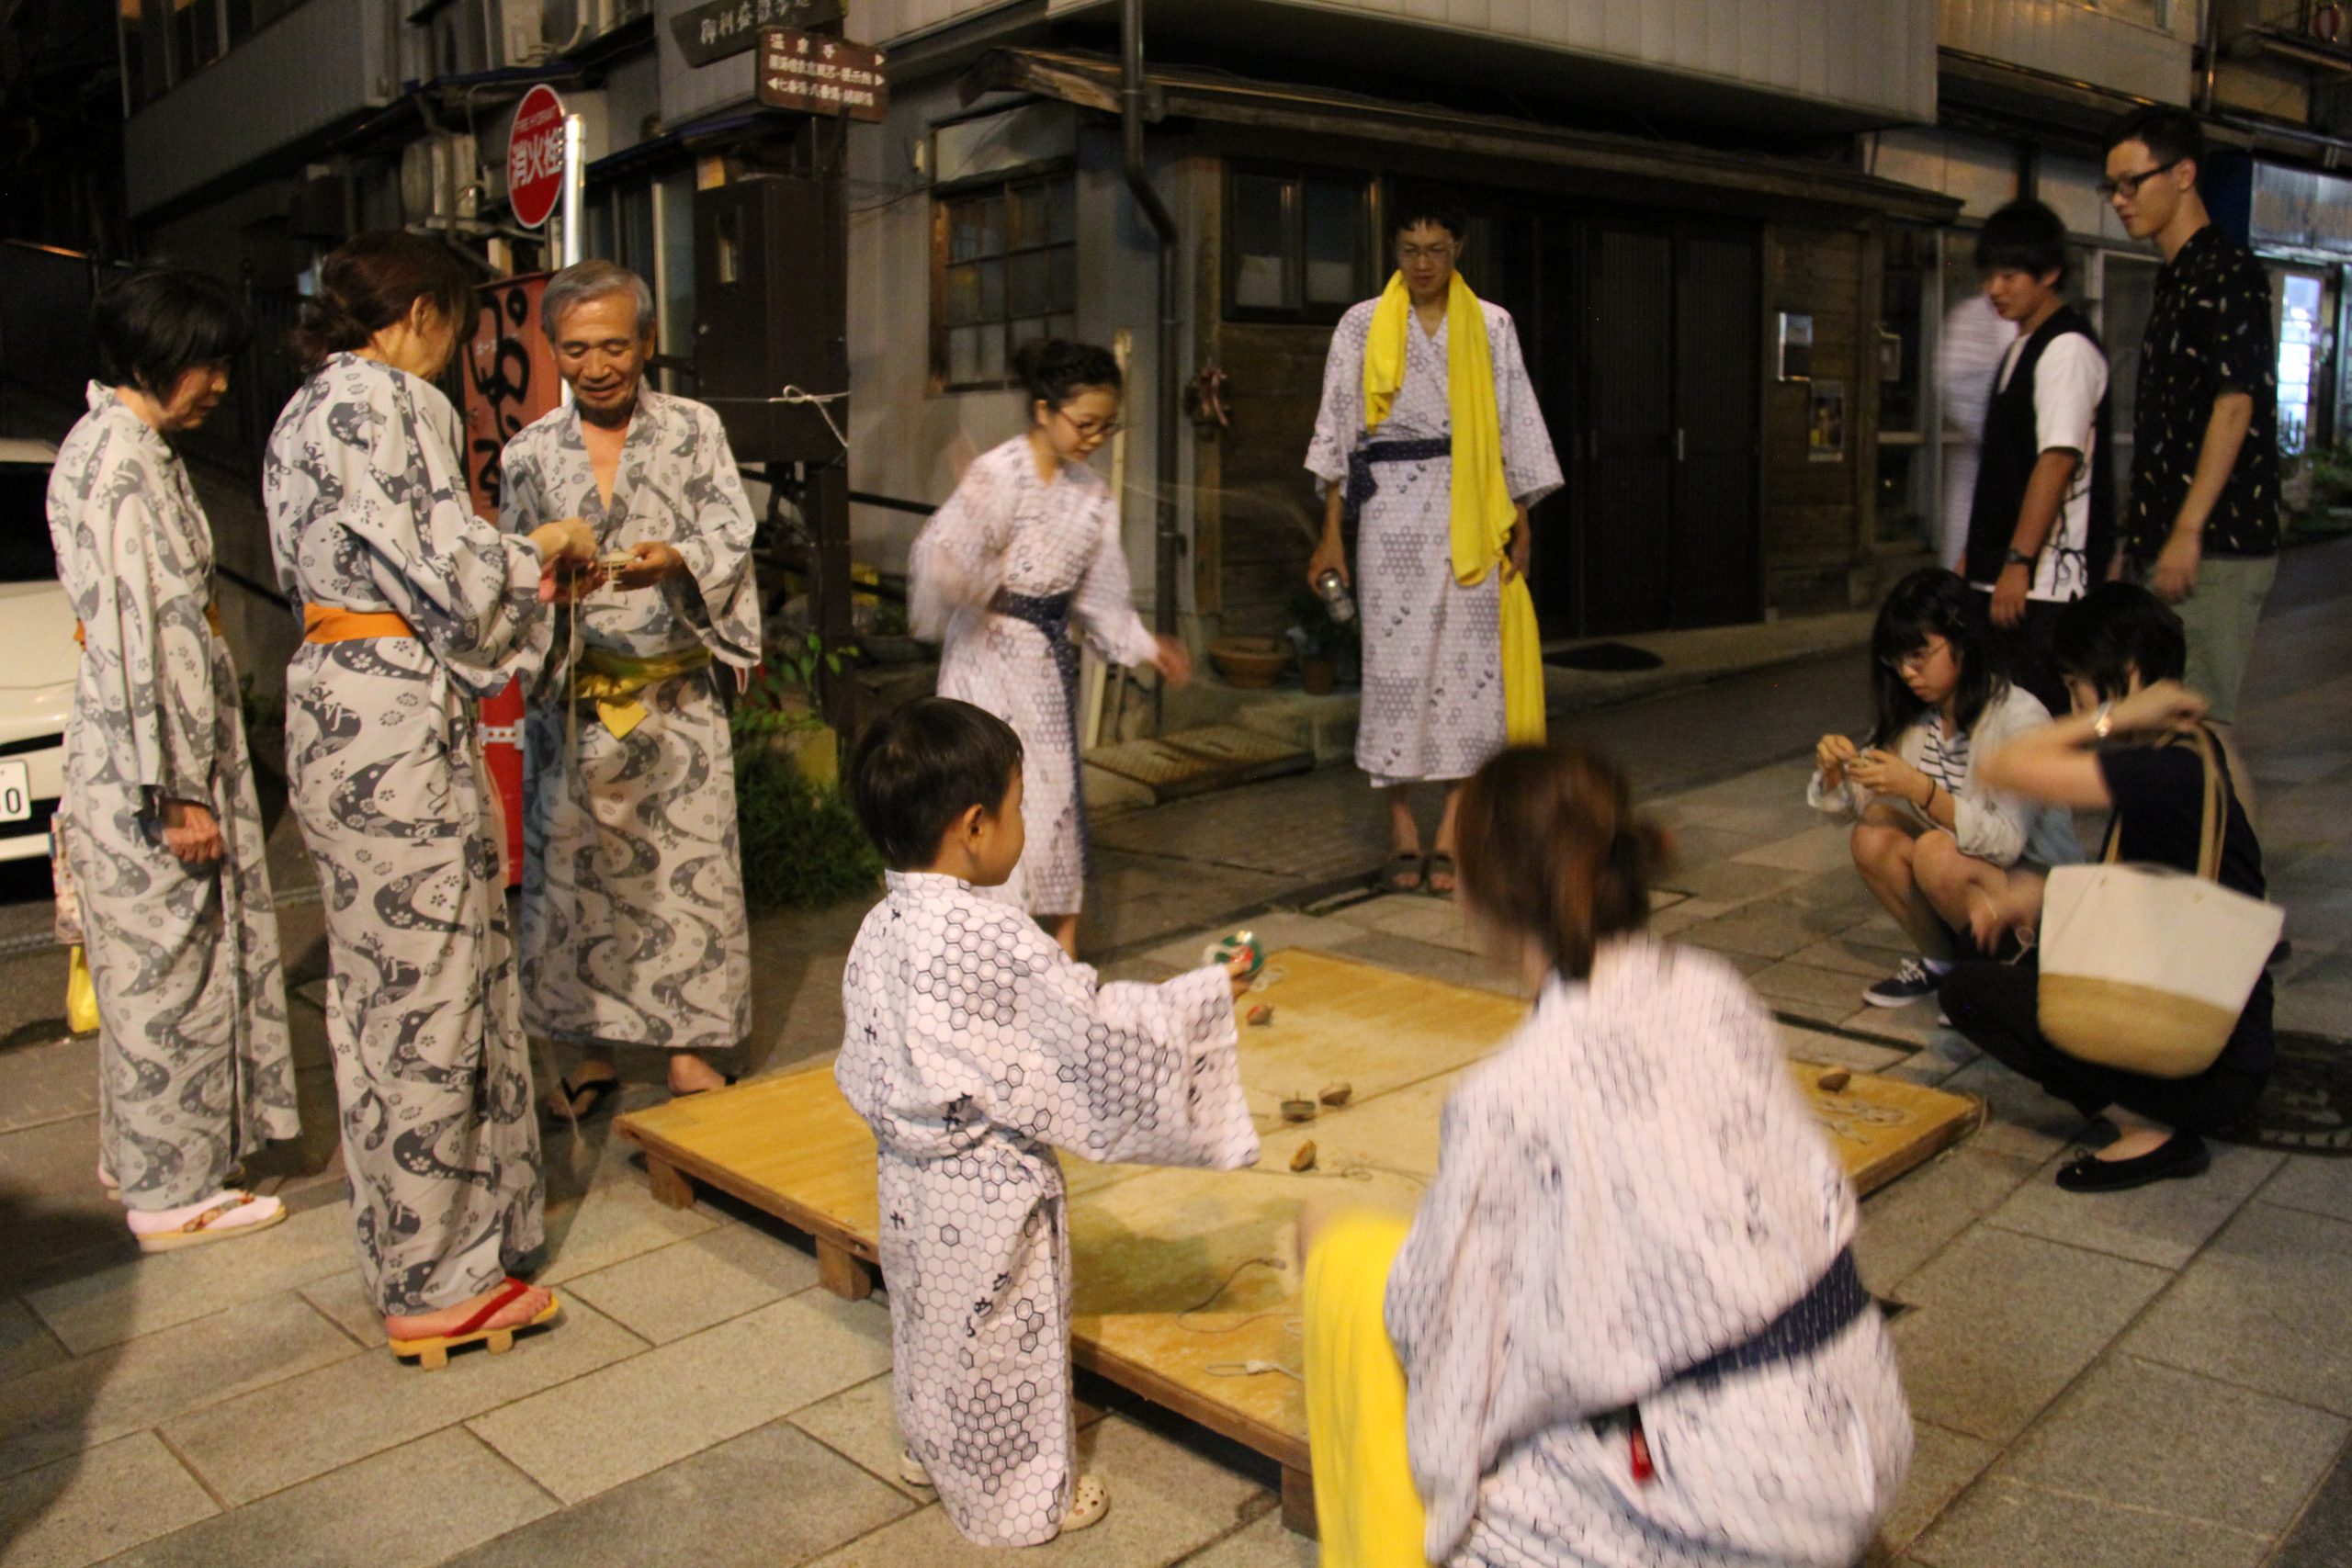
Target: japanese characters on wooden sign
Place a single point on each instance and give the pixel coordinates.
(712, 31)
(817, 73)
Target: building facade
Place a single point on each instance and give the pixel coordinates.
(1729, 233)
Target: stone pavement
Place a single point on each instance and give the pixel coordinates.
(2160, 1377)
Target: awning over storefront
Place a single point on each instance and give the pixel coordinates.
(1179, 93)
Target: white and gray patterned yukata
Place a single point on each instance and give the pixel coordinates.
(1432, 648)
(1006, 540)
(973, 1047)
(368, 510)
(1630, 1185)
(633, 924)
(195, 1070)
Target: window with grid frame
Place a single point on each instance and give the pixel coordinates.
(1004, 269)
(1298, 244)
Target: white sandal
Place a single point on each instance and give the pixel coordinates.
(1088, 1501)
(235, 1213)
(911, 1472)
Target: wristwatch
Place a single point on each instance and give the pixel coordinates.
(2017, 558)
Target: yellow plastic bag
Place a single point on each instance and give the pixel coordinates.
(81, 996)
(1523, 722)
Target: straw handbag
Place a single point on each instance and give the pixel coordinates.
(2145, 968)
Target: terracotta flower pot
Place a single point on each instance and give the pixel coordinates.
(1251, 663)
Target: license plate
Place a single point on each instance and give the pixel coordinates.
(15, 791)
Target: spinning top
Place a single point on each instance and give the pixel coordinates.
(1834, 1079)
(1304, 1158)
(1223, 950)
(1337, 1094)
(1298, 1109)
(1262, 1014)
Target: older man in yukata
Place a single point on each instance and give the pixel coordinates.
(633, 930)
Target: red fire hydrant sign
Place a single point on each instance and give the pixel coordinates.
(535, 157)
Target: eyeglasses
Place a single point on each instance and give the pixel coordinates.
(1441, 250)
(1088, 431)
(1917, 659)
(2127, 185)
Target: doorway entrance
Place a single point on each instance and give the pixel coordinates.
(1642, 335)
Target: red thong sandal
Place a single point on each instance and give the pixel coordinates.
(432, 1352)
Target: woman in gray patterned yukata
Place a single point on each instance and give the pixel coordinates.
(1026, 549)
(1433, 687)
(1631, 1331)
(633, 928)
(413, 607)
(162, 831)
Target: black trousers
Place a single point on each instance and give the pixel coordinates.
(1993, 1005)
(2024, 651)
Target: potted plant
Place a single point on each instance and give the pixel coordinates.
(779, 712)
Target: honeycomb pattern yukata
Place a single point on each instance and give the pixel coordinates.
(974, 1048)
(1007, 530)
(1432, 648)
(1631, 1185)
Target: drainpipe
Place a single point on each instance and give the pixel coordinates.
(2210, 28)
(1168, 543)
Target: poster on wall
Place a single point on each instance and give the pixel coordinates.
(506, 371)
(1826, 429)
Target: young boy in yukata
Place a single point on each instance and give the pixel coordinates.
(975, 1047)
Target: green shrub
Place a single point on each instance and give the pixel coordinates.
(802, 846)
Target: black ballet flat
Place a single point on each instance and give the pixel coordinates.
(2177, 1157)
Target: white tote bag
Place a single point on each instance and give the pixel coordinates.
(2146, 969)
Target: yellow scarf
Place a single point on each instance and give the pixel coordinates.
(1483, 510)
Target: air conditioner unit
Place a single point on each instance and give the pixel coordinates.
(523, 31)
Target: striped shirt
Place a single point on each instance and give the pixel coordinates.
(1945, 759)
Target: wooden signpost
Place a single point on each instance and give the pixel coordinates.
(818, 73)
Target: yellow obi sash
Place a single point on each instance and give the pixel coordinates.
(1483, 512)
(611, 680)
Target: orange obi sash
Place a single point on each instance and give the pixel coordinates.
(212, 618)
(332, 623)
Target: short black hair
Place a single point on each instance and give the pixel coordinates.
(2024, 236)
(921, 768)
(1427, 204)
(156, 324)
(1054, 369)
(1933, 601)
(2175, 136)
(2115, 628)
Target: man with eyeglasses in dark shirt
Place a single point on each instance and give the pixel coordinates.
(2201, 528)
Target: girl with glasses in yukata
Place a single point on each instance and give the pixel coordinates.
(1626, 1321)
(1026, 549)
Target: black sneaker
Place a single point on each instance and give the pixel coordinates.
(2182, 1155)
(1906, 986)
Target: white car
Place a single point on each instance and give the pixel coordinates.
(38, 671)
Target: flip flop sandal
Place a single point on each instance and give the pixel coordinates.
(215, 1224)
(1088, 1501)
(1393, 878)
(1441, 864)
(911, 1471)
(733, 1079)
(432, 1352)
(598, 1090)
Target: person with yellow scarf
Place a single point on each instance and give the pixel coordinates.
(1430, 439)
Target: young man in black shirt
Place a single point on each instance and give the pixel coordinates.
(2202, 524)
(2042, 514)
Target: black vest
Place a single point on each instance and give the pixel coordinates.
(2012, 447)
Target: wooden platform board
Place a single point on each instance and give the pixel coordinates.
(1182, 1276)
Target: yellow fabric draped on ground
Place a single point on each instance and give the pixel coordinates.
(611, 680)
(1483, 513)
(1366, 1507)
